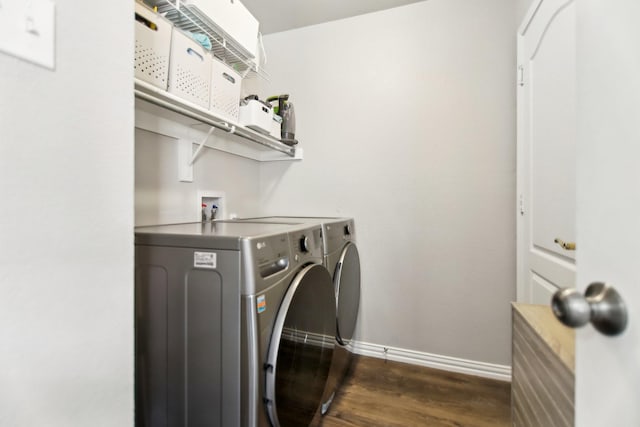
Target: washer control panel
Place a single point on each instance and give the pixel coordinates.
(270, 254)
(306, 244)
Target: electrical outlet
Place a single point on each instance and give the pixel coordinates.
(27, 30)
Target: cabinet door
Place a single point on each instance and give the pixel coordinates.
(546, 150)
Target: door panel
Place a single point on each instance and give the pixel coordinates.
(301, 349)
(546, 149)
(608, 64)
(541, 290)
(203, 335)
(151, 385)
(552, 267)
(551, 80)
(187, 338)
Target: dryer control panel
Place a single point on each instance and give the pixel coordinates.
(339, 232)
(306, 245)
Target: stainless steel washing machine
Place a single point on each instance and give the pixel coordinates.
(234, 324)
(342, 260)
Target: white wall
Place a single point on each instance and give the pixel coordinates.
(522, 7)
(66, 243)
(407, 119)
(161, 198)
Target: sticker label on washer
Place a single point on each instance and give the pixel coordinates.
(204, 259)
(261, 304)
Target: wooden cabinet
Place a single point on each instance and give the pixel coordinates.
(543, 367)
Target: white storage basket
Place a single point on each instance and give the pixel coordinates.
(257, 115)
(153, 43)
(189, 70)
(276, 127)
(225, 90)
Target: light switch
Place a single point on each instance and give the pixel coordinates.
(27, 30)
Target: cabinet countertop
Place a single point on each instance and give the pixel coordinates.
(559, 338)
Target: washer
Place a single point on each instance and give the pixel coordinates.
(234, 324)
(342, 260)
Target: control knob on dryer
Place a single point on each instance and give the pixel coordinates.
(304, 244)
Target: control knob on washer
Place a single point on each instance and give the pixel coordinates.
(304, 244)
(347, 230)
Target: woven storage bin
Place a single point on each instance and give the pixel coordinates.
(189, 70)
(153, 43)
(225, 90)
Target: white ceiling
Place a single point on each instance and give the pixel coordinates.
(282, 15)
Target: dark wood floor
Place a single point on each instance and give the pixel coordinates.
(385, 393)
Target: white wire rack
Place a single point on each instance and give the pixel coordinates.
(149, 93)
(188, 17)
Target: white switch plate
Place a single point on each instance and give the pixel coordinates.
(27, 30)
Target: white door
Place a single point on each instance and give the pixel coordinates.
(608, 204)
(546, 150)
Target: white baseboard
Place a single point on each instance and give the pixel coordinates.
(445, 363)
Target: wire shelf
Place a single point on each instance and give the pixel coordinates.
(188, 17)
(149, 93)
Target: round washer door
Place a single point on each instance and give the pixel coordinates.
(301, 349)
(347, 286)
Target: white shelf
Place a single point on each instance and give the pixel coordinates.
(189, 18)
(161, 112)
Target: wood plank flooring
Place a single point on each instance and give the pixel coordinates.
(391, 394)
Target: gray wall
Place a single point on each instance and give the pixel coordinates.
(161, 198)
(407, 119)
(66, 246)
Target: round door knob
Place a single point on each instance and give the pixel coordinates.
(601, 305)
(304, 244)
(571, 307)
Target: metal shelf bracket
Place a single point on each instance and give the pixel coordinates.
(186, 156)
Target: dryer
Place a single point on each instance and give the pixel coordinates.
(342, 260)
(234, 324)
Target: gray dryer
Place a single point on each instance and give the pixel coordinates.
(342, 260)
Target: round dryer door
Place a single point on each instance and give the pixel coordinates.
(347, 285)
(301, 349)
